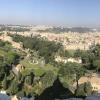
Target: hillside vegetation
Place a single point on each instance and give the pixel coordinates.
(47, 77)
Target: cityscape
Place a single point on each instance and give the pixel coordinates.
(49, 50)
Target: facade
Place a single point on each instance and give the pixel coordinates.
(65, 60)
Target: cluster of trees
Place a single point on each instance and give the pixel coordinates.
(17, 38)
(90, 58)
(23, 84)
(2, 44)
(84, 89)
(27, 84)
(45, 48)
(72, 72)
(7, 58)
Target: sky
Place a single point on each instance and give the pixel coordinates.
(51, 12)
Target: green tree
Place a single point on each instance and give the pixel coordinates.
(28, 80)
(5, 83)
(12, 57)
(14, 87)
(80, 91)
(79, 72)
(45, 81)
(2, 70)
(84, 89)
(78, 53)
(88, 88)
(71, 73)
(48, 79)
(19, 77)
(96, 64)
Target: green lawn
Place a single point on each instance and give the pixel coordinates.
(36, 68)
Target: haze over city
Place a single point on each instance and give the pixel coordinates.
(51, 12)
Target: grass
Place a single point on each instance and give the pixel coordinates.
(2, 53)
(37, 69)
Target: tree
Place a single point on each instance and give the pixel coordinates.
(96, 64)
(84, 89)
(2, 43)
(78, 53)
(2, 70)
(48, 79)
(19, 77)
(64, 53)
(12, 57)
(88, 88)
(14, 87)
(79, 72)
(5, 83)
(66, 73)
(28, 80)
(71, 72)
(80, 91)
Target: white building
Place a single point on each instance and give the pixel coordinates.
(65, 60)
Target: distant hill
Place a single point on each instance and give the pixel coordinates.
(73, 29)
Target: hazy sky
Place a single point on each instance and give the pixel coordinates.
(50, 12)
